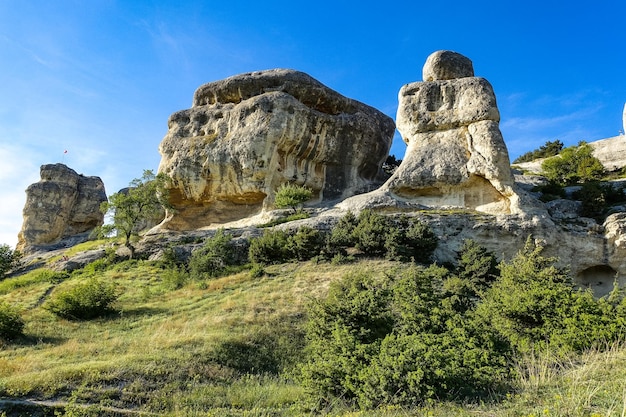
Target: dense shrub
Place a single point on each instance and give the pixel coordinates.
(370, 233)
(430, 333)
(544, 151)
(386, 340)
(408, 240)
(9, 258)
(305, 244)
(276, 246)
(575, 164)
(11, 323)
(87, 300)
(215, 258)
(270, 248)
(375, 234)
(550, 191)
(596, 198)
(534, 306)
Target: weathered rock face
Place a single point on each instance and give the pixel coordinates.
(456, 155)
(246, 135)
(61, 205)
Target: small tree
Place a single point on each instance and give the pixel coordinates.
(130, 209)
(8, 258)
(575, 164)
(291, 195)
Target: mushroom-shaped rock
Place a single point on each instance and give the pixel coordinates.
(456, 155)
(61, 205)
(248, 134)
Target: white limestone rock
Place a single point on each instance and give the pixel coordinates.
(62, 205)
(248, 134)
(456, 155)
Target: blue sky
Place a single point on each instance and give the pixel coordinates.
(100, 78)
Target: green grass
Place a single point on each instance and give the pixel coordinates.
(174, 352)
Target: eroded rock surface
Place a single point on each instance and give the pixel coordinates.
(246, 135)
(63, 204)
(456, 155)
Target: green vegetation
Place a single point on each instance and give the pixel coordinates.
(9, 259)
(376, 337)
(84, 301)
(597, 198)
(575, 164)
(11, 323)
(545, 151)
(291, 195)
(217, 257)
(142, 202)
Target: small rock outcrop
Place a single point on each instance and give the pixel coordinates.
(456, 155)
(63, 204)
(248, 134)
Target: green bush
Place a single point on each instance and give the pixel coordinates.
(291, 195)
(370, 233)
(174, 277)
(535, 306)
(270, 248)
(396, 340)
(550, 191)
(305, 244)
(596, 198)
(87, 300)
(11, 323)
(277, 246)
(575, 164)
(408, 240)
(9, 259)
(215, 258)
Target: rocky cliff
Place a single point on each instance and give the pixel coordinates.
(246, 135)
(63, 204)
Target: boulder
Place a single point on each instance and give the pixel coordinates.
(62, 205)
(248, 134)
(456, 155)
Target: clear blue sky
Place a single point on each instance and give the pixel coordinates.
(99, 78)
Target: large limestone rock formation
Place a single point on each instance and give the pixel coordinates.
(62, 205)
(247, 134)
(456, 155)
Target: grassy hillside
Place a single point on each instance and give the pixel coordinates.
(228, 347)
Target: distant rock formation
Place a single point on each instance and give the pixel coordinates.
(62, 205)
(246, 135)
(456, 156)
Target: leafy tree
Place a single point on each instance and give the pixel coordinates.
(8, 258)
(576, 164)
(291, 195)
(544, 151)
(143, 201)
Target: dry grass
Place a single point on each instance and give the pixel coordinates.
(158, 354)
